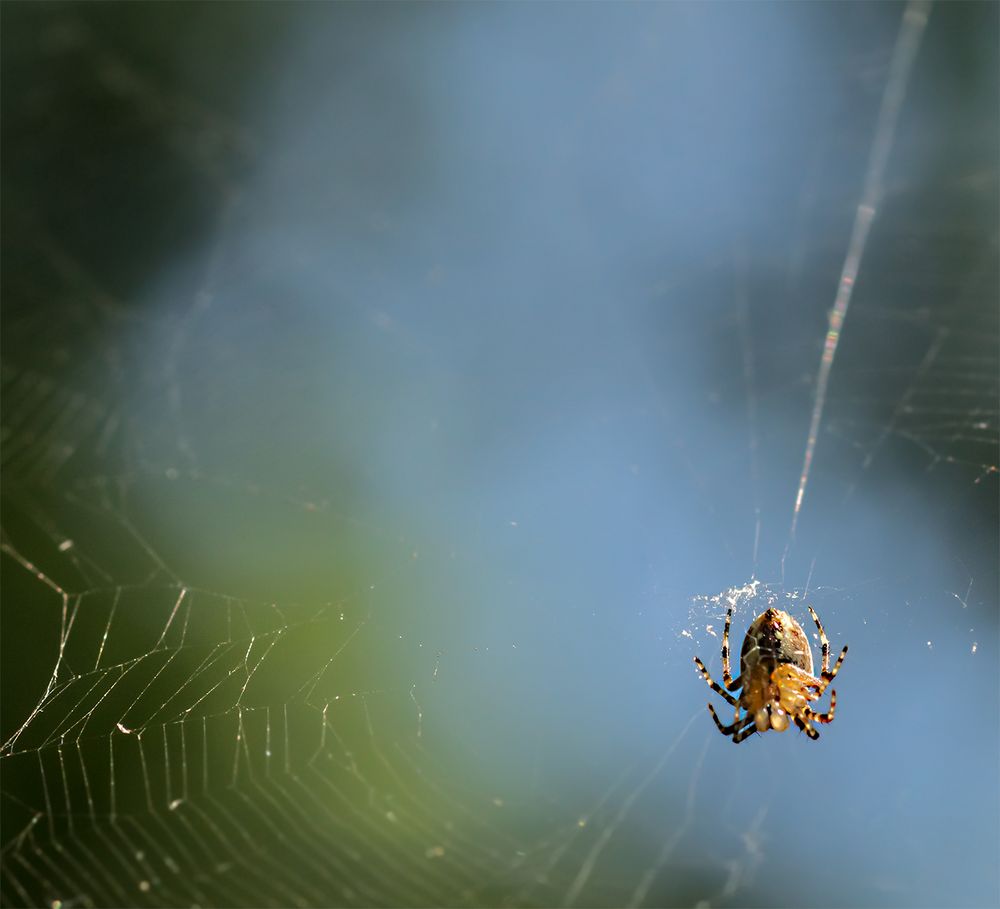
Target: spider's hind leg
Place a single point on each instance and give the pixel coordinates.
(824, 641)
(829, 675)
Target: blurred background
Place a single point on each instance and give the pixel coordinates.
(396, 395)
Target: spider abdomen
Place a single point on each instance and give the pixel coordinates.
(774, 638)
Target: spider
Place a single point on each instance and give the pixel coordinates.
(776, 675)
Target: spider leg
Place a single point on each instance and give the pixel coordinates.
(806, 727)
(725, 730)
(823, 640)
(828, 676)
(828, 716)
(716, 687)
(749, 728)
(737, 729)
(727, 676)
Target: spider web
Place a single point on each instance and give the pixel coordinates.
(387, 426)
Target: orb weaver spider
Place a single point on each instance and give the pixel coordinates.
(776, 675)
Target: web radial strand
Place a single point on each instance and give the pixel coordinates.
(907, 44)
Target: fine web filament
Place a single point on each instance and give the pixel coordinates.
(905, 52)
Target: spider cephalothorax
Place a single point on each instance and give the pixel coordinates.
(776, 675)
